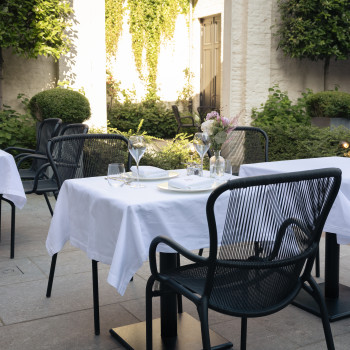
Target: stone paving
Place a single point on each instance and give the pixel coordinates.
(29, 320)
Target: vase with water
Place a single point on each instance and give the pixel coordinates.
(217, 165)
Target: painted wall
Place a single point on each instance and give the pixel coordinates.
(84, 66)
(183, 51)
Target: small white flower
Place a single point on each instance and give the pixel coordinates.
(207, 126)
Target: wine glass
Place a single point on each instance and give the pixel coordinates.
(201, 143)
(137, 147)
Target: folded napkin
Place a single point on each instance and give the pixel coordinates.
(191, 182)
(147, 171)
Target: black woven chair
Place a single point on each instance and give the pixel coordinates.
(73, 129)
(271, 233)
(180, 120)
(78, 156)
(47, 129)
(246, 145)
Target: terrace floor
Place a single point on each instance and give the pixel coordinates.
(29, 320)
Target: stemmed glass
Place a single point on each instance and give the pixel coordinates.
(137, 147)
(201, 143)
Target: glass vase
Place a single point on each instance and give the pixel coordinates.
(217, 165)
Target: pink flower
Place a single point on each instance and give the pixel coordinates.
(225, 121)
(213, 115)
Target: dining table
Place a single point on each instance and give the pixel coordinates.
(11, 191)
(115, 226)
(336, 228)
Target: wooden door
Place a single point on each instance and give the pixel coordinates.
(210, 61)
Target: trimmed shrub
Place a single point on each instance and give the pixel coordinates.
(331, 104)
(298, 142)
(71, 106)
(158, 121)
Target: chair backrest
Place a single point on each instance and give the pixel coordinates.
(86, 155)
(47, 129)
(176, 114)
(271, 233)
(245, 145)
(73, 129)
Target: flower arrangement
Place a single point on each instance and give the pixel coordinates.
(218, 127)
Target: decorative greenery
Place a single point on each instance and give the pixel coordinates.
(172, 156)
(299, 142)
(331, 104)
(158, 119)
(151, 21)
(315, 29)
(114, 13)
(71, 106)
(32, 28)
(280, 110)
(17, 129)
(186, 94)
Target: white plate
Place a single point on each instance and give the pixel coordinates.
(165, 186)
(170, 175)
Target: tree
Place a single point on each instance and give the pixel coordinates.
(315, 29)
(33, 28)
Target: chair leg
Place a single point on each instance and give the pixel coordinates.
(324, 315)
(95, 297)
(0, 214)
(317, 263)
(149, 326)
(244, 333)
(203, 316)
(48, 203)
(51, 275)
(13, 221)
(179, 297)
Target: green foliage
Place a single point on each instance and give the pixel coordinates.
(114, 12)
(69, 105)
(150, 22)
(172, 156)
(158, 120)
(185, 95)
(280, 110)
(35, 27)
(16, 129)
(314, 29)
(300, 142)
(331, 104)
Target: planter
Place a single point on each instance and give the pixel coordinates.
(323, 122)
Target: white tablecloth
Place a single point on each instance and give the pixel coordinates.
(10, 182)
(116, 225)
(338, 220)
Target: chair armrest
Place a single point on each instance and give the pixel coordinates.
(26, 156)
(38, 176)
(174, 245)
(27, 150)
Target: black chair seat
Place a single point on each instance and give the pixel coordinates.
(238, 291)
(26, 174)
(44, 186)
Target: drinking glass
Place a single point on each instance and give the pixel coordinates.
(201, 143)
(115, 175)
(137, 147)
(228, 167)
